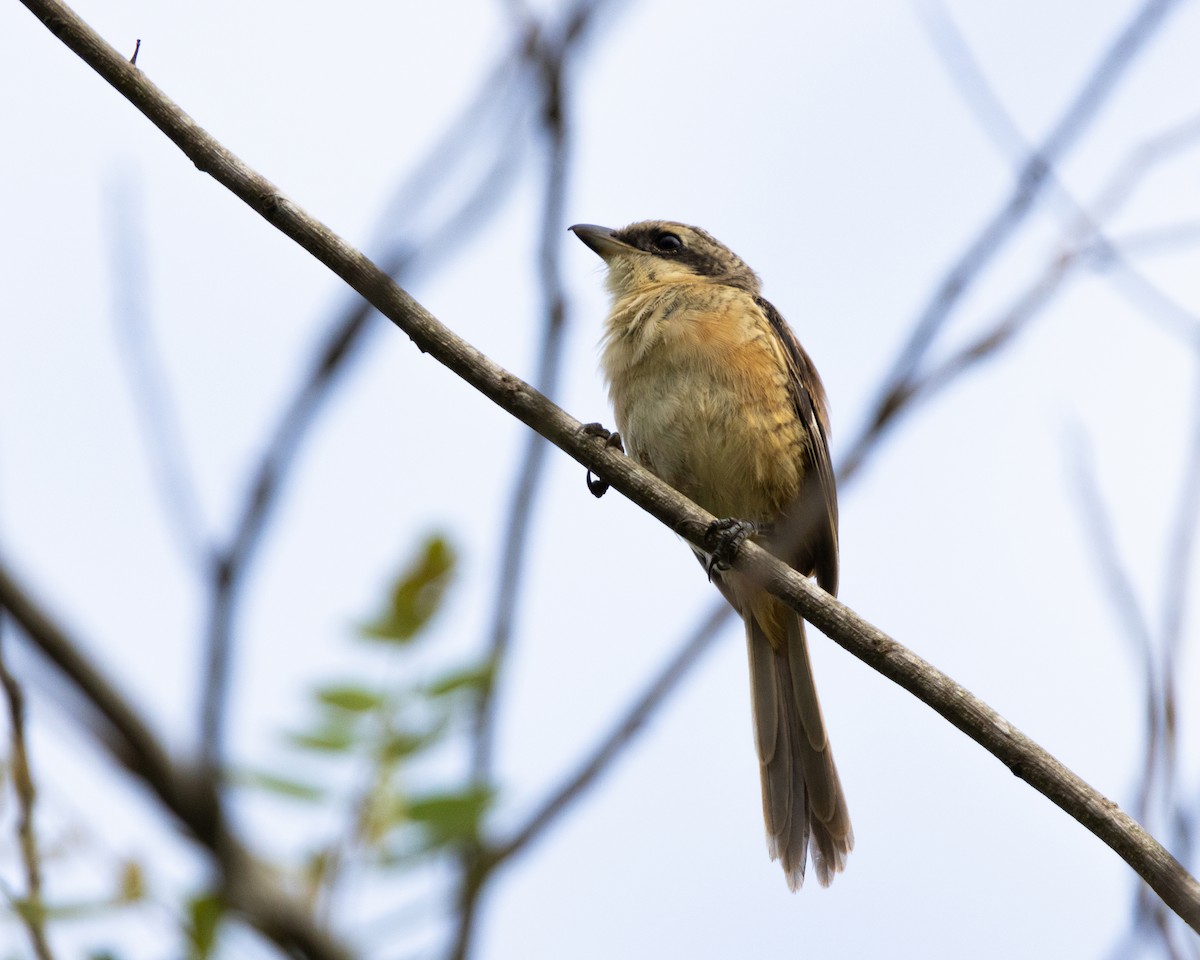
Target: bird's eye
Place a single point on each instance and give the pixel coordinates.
(667, 243)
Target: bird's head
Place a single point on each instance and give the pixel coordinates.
(656, 252)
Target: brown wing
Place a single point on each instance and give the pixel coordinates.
(813, 520)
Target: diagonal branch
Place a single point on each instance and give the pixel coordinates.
(1178, 889)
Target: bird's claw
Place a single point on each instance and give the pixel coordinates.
(723, 539)
(612, 439)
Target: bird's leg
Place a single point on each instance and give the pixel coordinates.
(724, 538)
(611, 439)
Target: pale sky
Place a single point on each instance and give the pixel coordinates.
(829, 146)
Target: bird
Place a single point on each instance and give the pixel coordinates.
(713, 393)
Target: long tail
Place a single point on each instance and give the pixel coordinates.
(802, 795)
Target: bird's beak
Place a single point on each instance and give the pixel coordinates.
(600, 239)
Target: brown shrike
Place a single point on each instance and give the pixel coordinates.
(713, 393)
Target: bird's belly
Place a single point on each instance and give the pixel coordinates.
(722, 445)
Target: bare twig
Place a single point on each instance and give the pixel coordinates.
(1168, 238)
(1179, 565)
(1120, 593)
(1026, 759)
(1031, 180)
(1165, 310)
(1153, 151)
(31, 909)
(1181, 540)
(970, 80)
(152, 397)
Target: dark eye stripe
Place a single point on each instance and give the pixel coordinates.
(703, 263)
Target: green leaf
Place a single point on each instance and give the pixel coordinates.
(352, 699)
(476, 678)
(416, 594)
(326, 740)
(449, 817)
(204, 918)
(400, 744)
(283, 786)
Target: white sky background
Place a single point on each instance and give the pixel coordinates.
(826, 144)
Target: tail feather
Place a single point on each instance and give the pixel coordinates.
(803, 798)
(779, 776)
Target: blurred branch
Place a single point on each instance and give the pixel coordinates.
(1158, 240)
(1180, 559)
(191, 797)
(340, 343)
(528, 478)
(1084, 245)
(1119, 591)
(546, 54)
(1175, 318)
(1086, 241)
(152, 399)
(1150, 153)
(1021, 755)
(635, 717)
(483, 861)
(1158, 800)
(31, 908)
(1179, 566)
(492, 114)
(1031, 180)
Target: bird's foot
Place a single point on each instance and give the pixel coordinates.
(724, 538)
(611, 439)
